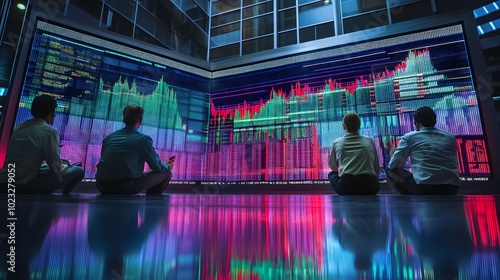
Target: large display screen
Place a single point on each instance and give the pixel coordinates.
(94, 80)
(271, 121)
(278, 120)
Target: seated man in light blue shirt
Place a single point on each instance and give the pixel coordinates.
(433, 159)
(354, 161)
(121, 167)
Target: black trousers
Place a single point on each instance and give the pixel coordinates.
(403, 182)
(354, 184)
(153, 182)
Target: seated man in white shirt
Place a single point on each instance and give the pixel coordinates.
(33, 155)
(354, 161)
(433, 159)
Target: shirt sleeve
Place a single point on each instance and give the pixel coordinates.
(399, 157)
(151, 156)
(51, 152)
(332, 159)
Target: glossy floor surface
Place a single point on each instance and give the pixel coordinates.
(252, 237)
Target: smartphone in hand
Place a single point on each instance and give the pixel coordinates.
(170, 162)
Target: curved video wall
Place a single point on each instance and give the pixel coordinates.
(269, 122)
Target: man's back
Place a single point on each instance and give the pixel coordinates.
(433, 156)
(32, 142)
(123, 155)
(356, 155)
(121, 167)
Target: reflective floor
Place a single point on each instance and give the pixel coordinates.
(253, 237)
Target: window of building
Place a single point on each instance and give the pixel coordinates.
(226, 18)
(251, 2)
(283, 4)
(223, 6)
(258, 26)
(125, 7)
(287, 19)
(366, 21)
(411, 11)
(225, 34)
(257, 45)
(224, 52)
(146, 20)
(257, 10)
(145, 37)
(287, 38)
(317, 32)
(315, 13)
(352, 7)
(117, 23)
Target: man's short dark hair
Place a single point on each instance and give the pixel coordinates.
(425, 116)
(132, 114)
(42, 106)
(351, 122)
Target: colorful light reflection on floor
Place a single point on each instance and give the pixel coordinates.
(256, 237)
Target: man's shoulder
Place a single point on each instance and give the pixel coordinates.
(139, 136)
(366, 138)
(442, 133)
(410, 134)
(424, 133)
(129, 133)
(429, 135)
(35, 126)
(352, 138)
(339, 140)
(143, 135)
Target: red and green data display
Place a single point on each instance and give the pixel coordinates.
(279, 124)
(271, 121)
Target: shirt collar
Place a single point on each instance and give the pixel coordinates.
(38, 120)
(350, 134)
(130, 127)
(430, 128)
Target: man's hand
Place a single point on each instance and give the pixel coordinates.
(170, 162)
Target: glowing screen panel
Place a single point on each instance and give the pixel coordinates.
(277, 120)
(273, 121)
(93, 80)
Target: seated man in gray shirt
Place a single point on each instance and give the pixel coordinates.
(33, 158)
(121, 167)
(433, 159)
(354, 161)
